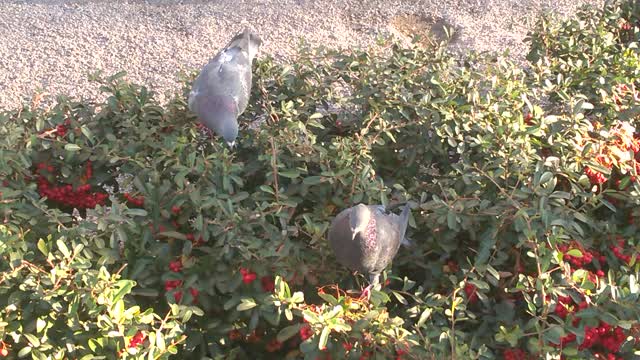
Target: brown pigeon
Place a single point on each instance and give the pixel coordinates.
(365, 238)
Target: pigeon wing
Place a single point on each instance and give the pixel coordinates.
(228, 74)
(390, 230)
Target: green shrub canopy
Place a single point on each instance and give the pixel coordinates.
(126, 232)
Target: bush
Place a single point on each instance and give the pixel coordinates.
(128, 233)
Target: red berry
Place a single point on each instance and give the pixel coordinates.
(194, 293)
(247, 275)
(172, 284)
(175, 266)
(234, 335)
(175, 210)
(305, 332)
(273, 345)
(472, 293)
(268, 284)
(137, 339)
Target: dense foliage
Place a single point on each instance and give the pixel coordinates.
(127, 232)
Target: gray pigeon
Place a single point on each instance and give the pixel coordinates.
(221, 92)
(365, 238)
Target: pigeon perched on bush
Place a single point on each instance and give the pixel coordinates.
(221, 92)
(365, 238)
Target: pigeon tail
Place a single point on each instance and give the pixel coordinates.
(404, 223)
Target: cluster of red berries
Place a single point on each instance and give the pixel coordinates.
(618, 251)
(400, 352)
(137, 339)
(472, 293)
(515, 354)
(528, 119)
(566, 306)
(305, 332)
(170, 285)
(4, 351)
(586, 258)
(59, 130)
(347, 346)
(80, 198)
(620, 140)
(134, 200)
(248, 276)
(595, 177)
(177, 296)
(604, 335)
(175, 266)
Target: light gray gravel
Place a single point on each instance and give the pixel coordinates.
(51, 45)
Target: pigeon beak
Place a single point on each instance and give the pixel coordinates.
(232, 144)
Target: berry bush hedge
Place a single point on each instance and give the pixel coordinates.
(126, 232)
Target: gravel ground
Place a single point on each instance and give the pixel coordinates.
(50, 46)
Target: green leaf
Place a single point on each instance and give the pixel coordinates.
(42, 246)
(246, 304)
(41, 324)
(72, 147)
(546, 177)
(117, 76)
(291, 174)
(424, 317)
(173, 235)
(324, 338)
(297, 297)
(575, 253)
(328, 298)
(32, 340)
(400, 298)
(136, 212)
(63, 248)
(312, 180)
(125, 288)
(267, 189)
(288, 332)
(160, 341)
(24, 351)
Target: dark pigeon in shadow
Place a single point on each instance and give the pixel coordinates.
(221, 92)
(365, 238)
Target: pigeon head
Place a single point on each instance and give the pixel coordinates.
(359, 219)
(247, 40)
(221, 117)
(253, 43)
